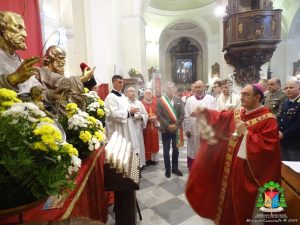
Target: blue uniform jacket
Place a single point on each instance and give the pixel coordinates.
(289, 124)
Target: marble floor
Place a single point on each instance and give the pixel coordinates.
(162, 200)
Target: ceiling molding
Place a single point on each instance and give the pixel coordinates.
(203, 10)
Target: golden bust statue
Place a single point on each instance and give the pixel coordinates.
(55, 59)
(12, 37)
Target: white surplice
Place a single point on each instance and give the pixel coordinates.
(225, 103)
(191, 124)
(119, 119)
(140, 120)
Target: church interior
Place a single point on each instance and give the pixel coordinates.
(149, 43)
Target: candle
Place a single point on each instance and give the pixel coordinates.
(126, 158)
(115, 150)
(110, 145)
(119, 156)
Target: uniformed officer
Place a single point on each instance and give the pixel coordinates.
(275, 98)
(289, 123)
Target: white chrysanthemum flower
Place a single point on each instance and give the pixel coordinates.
(77, 121)
(97, 145)
(91, 147)
(93, 106)
(92, 95)
(70, 170)
(82, 114)
(76, 162)
(26, 110)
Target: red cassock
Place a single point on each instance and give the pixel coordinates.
(262, 165)
(150, 132)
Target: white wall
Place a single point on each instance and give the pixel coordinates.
(102, 22)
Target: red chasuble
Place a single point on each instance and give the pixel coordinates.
(205, 188)
(150, 132)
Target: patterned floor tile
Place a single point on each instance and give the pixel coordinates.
(156, 177)
(175, 186)
(174, 211)
(145, 183)
(151, 218)
(197, 220)
(183, 198)
(153, 196)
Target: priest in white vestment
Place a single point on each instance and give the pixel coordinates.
(140, 119)
(191, 124)
(228, 100)
(118, 114)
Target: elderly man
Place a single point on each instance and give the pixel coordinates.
(140, 119)
(191, 127)
(170, 113)
(118, 114)
(289, 123)
(225, 177)
(275, 97)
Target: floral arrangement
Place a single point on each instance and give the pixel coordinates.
(7, 98)
(95, 106)
(85, 132)
(35, 160)
(133, 72)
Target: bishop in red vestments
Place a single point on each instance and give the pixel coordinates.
(151, 130)
(225, 177)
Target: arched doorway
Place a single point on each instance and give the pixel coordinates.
(183, 43)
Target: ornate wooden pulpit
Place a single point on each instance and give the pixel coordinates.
(251, 32)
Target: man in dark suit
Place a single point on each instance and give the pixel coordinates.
(170, 113)
(289, 123)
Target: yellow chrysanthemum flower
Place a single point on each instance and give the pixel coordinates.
(71, 109)
(70, 149)
(46, 119)
(8, 94)
(49, 135)
(99, 136)
(86, 90)
(91, 119)
(100, 113)
(54, 146)
(85, 136)
(101, 102)
(39, 146)
(7, 98)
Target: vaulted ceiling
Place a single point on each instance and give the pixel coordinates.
(176, 5)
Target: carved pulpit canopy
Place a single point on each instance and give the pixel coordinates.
(251, 32)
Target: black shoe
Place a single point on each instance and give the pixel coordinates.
(168, 174)
(177, 172)
(148, 162)
(152, 162)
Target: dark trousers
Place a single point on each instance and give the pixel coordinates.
(288, 154)
(166, 140)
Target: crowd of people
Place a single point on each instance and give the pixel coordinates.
(260, 124)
